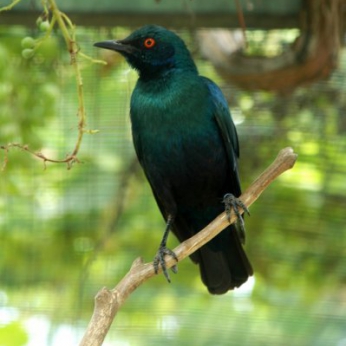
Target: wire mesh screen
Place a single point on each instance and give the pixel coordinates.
(66, 233)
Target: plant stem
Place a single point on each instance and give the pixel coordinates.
(65, 24)
(10, 6)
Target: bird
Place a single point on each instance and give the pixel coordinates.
(187, 145)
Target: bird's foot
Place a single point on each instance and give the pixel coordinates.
(232, 202)
(160, 260)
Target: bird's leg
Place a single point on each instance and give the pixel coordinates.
(163, 251)
(232, 202)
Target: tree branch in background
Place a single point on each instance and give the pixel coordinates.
(67, 30)
(108, 302)
(310, 58)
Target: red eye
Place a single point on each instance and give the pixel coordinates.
(149, 43)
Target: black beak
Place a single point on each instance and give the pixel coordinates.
(117, 46)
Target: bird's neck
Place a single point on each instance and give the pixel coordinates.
(162, 76)
(158, 82)
(171, 69)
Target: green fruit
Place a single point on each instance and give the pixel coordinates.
(49, 49)
(28, 42)
(44, 26)
(39, 20)
(28, 53)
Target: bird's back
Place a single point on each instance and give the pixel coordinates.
(181, 148)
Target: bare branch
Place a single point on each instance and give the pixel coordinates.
(10, 6)
(108, 302)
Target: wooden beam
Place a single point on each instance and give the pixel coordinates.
(173, 20)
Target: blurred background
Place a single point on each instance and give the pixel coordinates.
(66, 233)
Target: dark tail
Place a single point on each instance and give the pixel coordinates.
(223, 262)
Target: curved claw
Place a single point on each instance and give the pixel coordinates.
(232, 202)
(160, 260)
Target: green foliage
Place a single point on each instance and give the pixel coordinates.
(28, 89)
(13, 334)
(269, 43)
